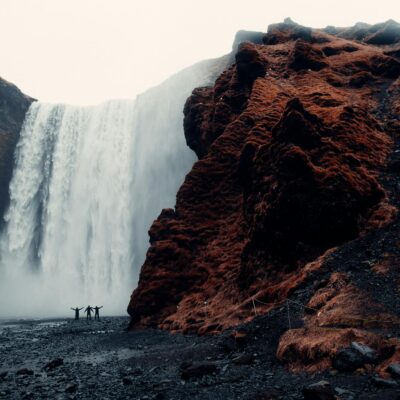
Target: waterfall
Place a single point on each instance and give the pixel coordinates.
(86, 186)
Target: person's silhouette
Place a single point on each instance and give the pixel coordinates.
(76, 311)
(96, 312)
(88, 311)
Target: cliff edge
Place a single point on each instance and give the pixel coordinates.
(13, 107)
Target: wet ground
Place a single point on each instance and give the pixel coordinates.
(101, 360)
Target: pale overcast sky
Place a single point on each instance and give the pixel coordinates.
(87, 51)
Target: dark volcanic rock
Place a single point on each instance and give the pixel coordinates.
(271, 394)
(71, 388)
(13, 107)
(354, 357)
(394, 370)
(384, 383)
(127, 381)
(243, 359)
(57, 362)
(384, 395)
(198, 369)
(386, 33)
(24, 371)
(319, 391)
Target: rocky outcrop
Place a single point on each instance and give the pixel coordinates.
(297, 145)
(13, 106)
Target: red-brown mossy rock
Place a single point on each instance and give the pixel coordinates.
(286, 31)
(330, 51)
(378, 64)
(209, 110)
(198, 110)
(341, 304)
(167, 287)
(312, 349)
(359, 79)
(309, 189)
(249, 63)
(290, 158)
(305, 56)
(338, 313)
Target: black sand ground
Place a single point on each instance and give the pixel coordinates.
(101, 360)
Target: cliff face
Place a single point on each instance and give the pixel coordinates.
(13, 106)
(297, 182)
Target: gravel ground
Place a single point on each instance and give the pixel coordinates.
(101, 360)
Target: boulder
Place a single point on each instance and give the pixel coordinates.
(354, 357)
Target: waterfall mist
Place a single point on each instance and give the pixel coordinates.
(87, 184)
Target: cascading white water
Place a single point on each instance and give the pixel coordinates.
(87, 183)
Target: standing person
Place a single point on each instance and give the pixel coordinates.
(76, 311)
(96, 312)
(88, 311)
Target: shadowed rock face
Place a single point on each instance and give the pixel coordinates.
(13, 106)
(297, 145)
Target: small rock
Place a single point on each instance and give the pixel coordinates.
(319, 391)
(393, 369)
(137, 371)
(127, 381)
(268, 395)
(233, 341)
(243, 359)
(71, 388)
(24, 371)
(383, 383)
(198, 369)
(57, 362)
(240, 338)
(228, 343)
(344, 394)
(3, 374)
